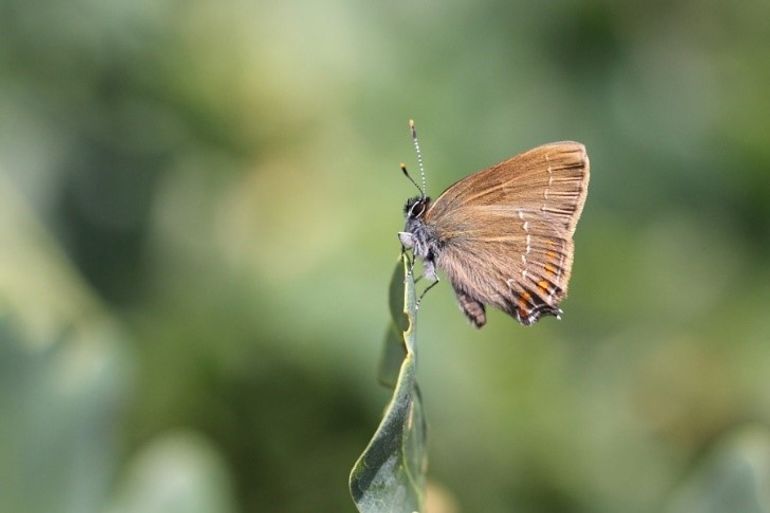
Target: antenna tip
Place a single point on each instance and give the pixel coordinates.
(411, 123)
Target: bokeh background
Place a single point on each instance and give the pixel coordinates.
(198, 208)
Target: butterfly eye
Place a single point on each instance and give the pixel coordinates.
(416, 206)
(417, 209)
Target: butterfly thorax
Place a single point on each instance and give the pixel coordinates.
(423, 241)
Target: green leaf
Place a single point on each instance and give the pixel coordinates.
(65, 375)
(390, 474)
(394, 347)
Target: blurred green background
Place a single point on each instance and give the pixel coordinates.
(198, 209)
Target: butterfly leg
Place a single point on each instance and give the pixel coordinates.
(430, 274)
(409, 260)
(419, 299)
(474, 310)
(430, 270)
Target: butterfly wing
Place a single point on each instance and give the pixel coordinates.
(506, 232)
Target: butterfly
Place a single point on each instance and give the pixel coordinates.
(503, 235)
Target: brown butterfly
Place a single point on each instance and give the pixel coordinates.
(503, 235)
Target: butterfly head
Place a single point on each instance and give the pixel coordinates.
(417, 236)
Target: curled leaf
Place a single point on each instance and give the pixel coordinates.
(390, 474)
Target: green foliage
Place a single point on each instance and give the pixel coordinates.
(390, 474)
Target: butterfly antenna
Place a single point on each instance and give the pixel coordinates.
(406, 174)
(419, 156)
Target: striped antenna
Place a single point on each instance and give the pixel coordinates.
(406, 174)
(419, 155)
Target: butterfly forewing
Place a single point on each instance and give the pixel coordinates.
(506, 231)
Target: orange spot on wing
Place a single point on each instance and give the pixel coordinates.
(551, 254)
(550, 269)
(524, 298)
(544, 286)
